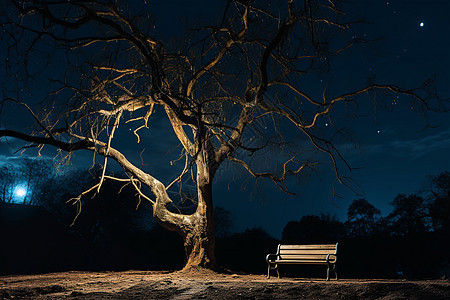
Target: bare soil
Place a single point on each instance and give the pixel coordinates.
(209, 285)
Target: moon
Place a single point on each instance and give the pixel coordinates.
(20, 192)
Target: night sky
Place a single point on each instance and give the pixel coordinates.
(392, 150)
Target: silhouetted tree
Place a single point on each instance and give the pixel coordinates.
(229, 90)
(246, 251)
(409, 215)
(223, 222)
(103, 210)
(8, 180)
(440, 201)
(313, 229)
(34, 173)
(30, 175)
(55, 193)
(362, 219)
(109, 216)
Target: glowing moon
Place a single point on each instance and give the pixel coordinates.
(20, 192)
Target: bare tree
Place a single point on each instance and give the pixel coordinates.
(29, 176)
(229, 91)
(8, 180)
(34, 173)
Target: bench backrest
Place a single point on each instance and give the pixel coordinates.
(307, 252)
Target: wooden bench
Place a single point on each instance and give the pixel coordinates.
(303, 254)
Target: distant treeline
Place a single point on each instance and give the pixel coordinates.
(110, 234)
(411, 242)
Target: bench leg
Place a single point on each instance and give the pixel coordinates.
(334, 270)
(269, 267)
(328, 273)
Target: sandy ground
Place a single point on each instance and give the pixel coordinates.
(209, 285)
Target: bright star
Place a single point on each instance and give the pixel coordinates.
(421, 24)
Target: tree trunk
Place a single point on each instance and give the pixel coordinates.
(199, 241)
(199, 238)
(197, 229)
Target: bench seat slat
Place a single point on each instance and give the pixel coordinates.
(307, 251)
(306, 257)
(311, 262)
(298, 247)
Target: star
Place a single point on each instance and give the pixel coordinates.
(421, 24)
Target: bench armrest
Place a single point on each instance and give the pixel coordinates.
(271, 257)
(328, 258)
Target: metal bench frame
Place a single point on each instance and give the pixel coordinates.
(325, 254)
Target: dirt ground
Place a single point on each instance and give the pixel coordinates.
(209, 285)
